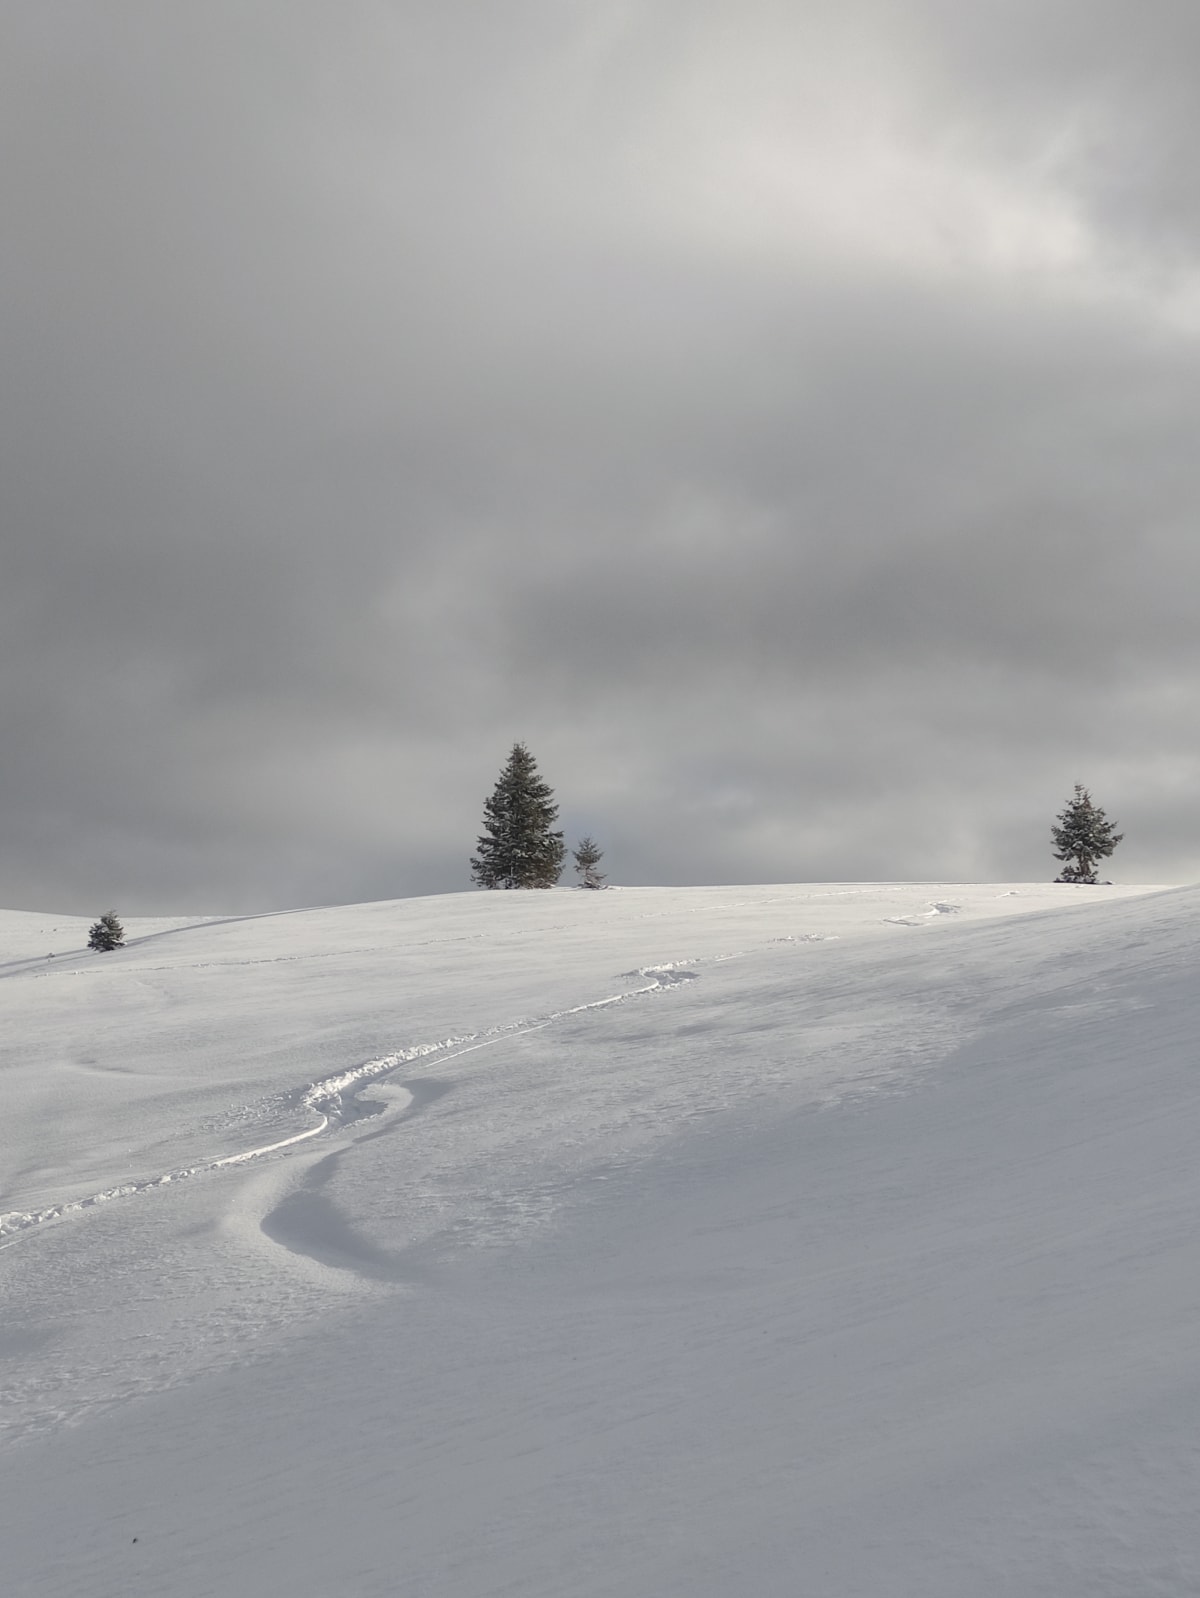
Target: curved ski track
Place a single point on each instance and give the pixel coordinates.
(326, 1099)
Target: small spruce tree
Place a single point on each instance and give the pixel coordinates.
(519, 848)
(587, 857)
(1083, 836)
(107, 933)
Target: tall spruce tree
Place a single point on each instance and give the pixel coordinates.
(1083, 836)
(587, 857)
(519, 848)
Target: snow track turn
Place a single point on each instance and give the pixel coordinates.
(331, 1099)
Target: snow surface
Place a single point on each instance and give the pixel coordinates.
(833, 1240)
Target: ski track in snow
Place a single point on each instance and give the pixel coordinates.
(326, 1099)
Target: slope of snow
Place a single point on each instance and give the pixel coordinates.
(834, 1239)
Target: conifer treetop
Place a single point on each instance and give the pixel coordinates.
(519, 847)
(1082, 836)
(106, 934)
(587, 857)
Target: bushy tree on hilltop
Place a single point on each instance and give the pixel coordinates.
(107, 933)
(587, 857)
(519, 848)
(1083, 836)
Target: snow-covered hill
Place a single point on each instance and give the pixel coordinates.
(828, 1239)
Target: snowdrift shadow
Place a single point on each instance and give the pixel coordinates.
(308, 1223)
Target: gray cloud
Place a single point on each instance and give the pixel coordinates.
(781, 419)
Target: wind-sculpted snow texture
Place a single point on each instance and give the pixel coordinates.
(835, 1239)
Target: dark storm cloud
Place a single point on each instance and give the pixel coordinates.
(781, 417)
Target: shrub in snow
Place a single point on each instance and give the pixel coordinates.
(1083, 836)
(587, 857)
(519, 848)
(107, 933)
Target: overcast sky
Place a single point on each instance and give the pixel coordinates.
(782, 416)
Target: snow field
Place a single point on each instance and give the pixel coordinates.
(833, 1239)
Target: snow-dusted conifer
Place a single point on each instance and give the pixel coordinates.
(587, 857)
(1082, 837)
(107, 933)
(519, 848)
